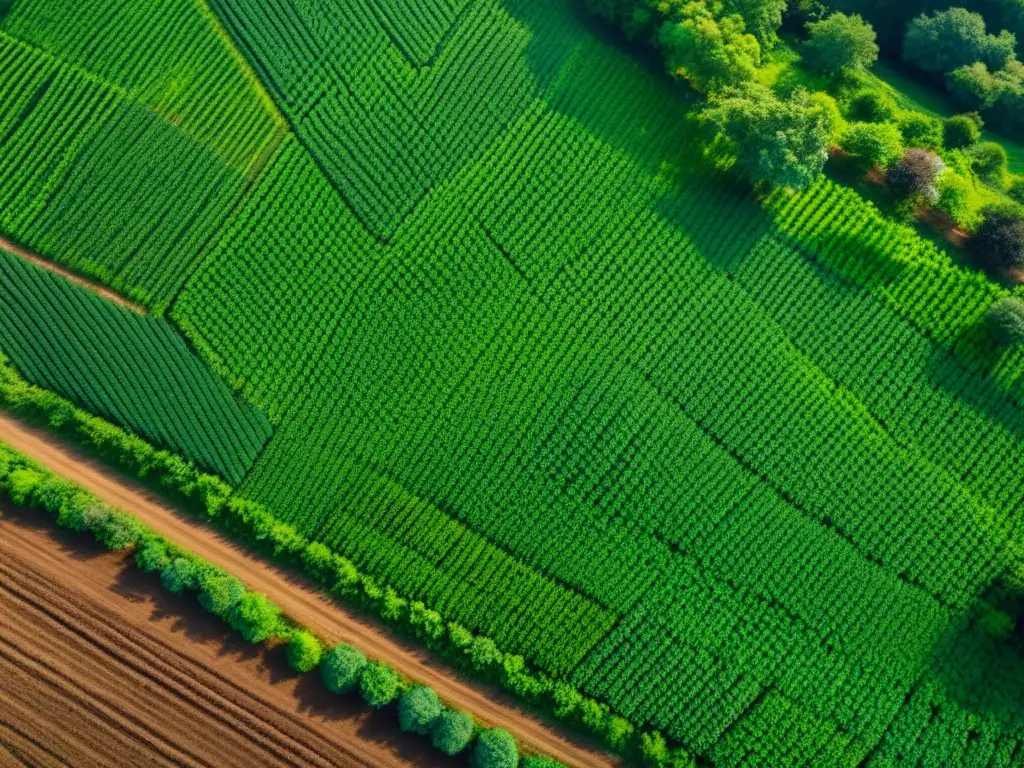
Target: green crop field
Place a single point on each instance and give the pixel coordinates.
(740, 466)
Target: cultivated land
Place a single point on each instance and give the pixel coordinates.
(300, 600)
(101, 667)
(740, 467)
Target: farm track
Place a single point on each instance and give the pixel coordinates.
(300, 599)
(50, 266)
(100, 667)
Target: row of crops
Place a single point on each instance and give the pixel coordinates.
(738, 468)
(129, 368)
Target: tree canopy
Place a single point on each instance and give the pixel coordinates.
(840, 45)
(955, 38)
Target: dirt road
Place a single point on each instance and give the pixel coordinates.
(100, 667)
(300, 599)
(46, 264)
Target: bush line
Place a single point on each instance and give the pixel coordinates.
(215, 502)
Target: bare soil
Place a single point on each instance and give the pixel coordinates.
(303, 601)
(39, 261)
(100, 667)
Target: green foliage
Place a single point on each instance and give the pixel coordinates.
(378, 684)
(1015, 189)
(709, 53)
(782, 142)
(22, 483)
(761, 18)
(998, 243)
(255, 617)
(495, 748)
(152, 555)
(304, 651)
(916, 175)
(955, 199)
(923, 131)
(341, 668)
(120, 365)
(452, 733)
(180, 575)
(418, 710)
(540, 761)
(872, 143)
(954, 38)
(1005, 320)
(219, 593)
(870, 106)
(990, 162)
(840, 45)
(961, 131)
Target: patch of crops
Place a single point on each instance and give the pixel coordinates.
(739, 468)
(126, 367)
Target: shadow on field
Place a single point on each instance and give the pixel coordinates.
(186, 618)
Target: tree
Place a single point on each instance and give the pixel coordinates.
(955, 198)
(998, 244)
(151, 555)
(452, 732)
(974, 87)
(870, 106)
(219, 593)
(496, 748)
(418, 710)
(915, 175)
(709, 53)
(762, 19)
(378, 684)
(304, 652)
(181, 574)
(872, 143)
(954, 38)
(540, 761)
(116, 530)
(653, 749)
(255, 617)
(990, 162)
(484, 653)
(840, 45)
(341, 667)
(1005, 319)
(961, 131)
(1016, 189)
(782, 142)
(920, 130)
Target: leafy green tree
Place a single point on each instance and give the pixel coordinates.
(180, 575)
(954, 38)
(484, 654)
(452, 732)
(990, 162)
(21, 483)
(540, 761)
(219, 593)
(1016, 189)
(418, 710)
(151, 555)
(116, 530)
(974, 87)
(998, 244)
(341, 667)
(304, 652)
(761, 18)
(496, 748)
(378, 684)
(961, 131)
(782, 142)
(1005, 319)
(955, 198)
(255, 617)
(872, 143)
(870, 106)
(709, 53)
(840, 45)
(653, 749)
(920, 130)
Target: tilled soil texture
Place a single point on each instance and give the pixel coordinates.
(100, 667)
(302, 600)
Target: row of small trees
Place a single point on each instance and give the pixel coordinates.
(252, 523)
(256, 618)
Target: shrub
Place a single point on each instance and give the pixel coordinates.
(496, 748)
(152, 555)
(53, 492)
(653, 749)
(341, 667)
(840, 45)
(318, 562)
(180, 575)
(920, 130)
(21, 484)
(915, 174)
(452, 732)
(952, 39)
(955, 198)
(418, 710)
(255, 617)
(378, 684)
(871, 143)
(540, 761)
(990, 162)
(872, 107)
(116, 530)
(304, 652)
(960, 131)
(484, 654)
(999, 242)
(219, 593)
(1005, 319)
(1016, 189)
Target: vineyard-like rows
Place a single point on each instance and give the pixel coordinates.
(739, 468)
(129, 368)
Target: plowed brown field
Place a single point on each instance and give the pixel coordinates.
(100, 667)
